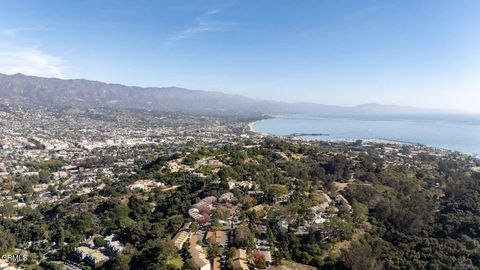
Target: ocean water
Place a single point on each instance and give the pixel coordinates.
(453, 132)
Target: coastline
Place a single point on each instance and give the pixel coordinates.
(378, 140)
(252, 129)
(252, 123)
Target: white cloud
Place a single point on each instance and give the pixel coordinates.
(203, 25)
(30, 61)
(14, 31)
(8, 31)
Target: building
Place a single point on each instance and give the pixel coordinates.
(91, 256)
(145, 184)
(182, 235)
(180, 238)
(226, 197)
(241, 184)
(213, 163)
(240, 260)
(216, 263)
(114, 246)
(82, 252)
(96, 258)
(219, 237)
(10, 268)
(344, 201)
(3, 264)
(199, 258)
(193, 240)
(283, 225)
(268, 256)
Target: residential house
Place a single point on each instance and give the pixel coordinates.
(82, 252)
(180, 238)
(240, 261)
(96, 258)
(114, 246)
(199, 258)
(268, 256)
(145, 184)
(216, 263)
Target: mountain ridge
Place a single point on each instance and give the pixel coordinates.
(55, 92)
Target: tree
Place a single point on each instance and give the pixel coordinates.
(8, 240)
(230, 255)
(154, 255)
(60, 236)
(243, 237)
(221, 213)
(84, 222)
(277, 190)
(360, 257)
(44, 176)
(194, 227)
(119, 217)
(46, 265)
(360, 212)
(7, 209)
(121, 262)
(259, 260)
(212, 250)
(99, 241)
(188, 264)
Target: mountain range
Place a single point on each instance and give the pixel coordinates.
(51, 92)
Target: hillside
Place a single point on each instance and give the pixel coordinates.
(52, 92)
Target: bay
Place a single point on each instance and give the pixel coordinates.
(453, 132)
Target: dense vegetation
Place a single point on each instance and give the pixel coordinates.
(411, 213)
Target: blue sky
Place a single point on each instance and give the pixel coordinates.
(409, 52)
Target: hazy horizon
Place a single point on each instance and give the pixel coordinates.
(440, 110)
(341, 53)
